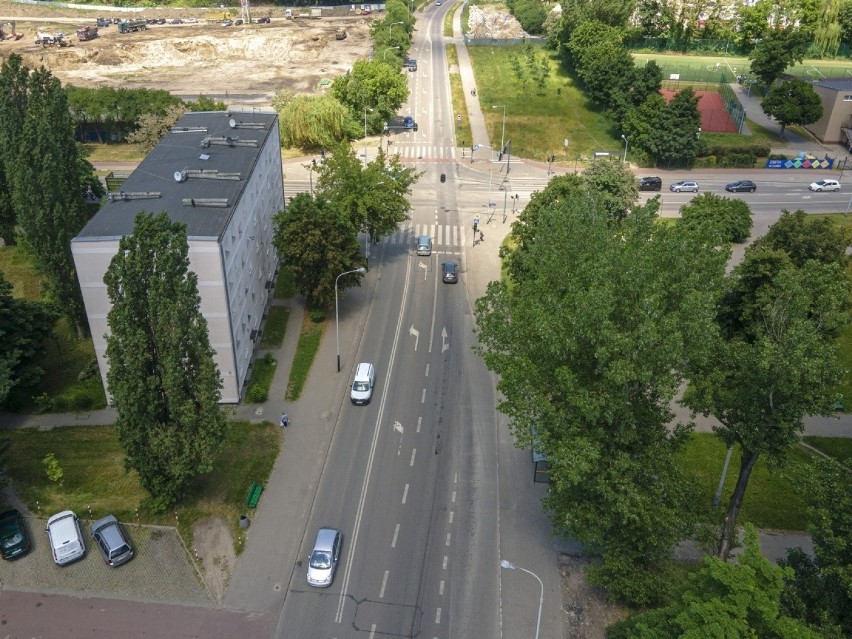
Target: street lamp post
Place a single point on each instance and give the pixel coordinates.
(626, 141)
(391, 25)
(508, 565)
(360, 269)
(366, 108)
(385, 53)
(503, 132)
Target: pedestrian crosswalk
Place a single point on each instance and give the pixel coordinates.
(407, 151)
(446, 238)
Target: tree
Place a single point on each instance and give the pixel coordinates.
(732, 217)
(372, 198)
(613, 184)
(320, 244)
(753, 22)
(827, 30)
(794, 102)
(647, 81)
(803, 238)
(312, 122)
(819, 591)
(722, 600)
(776, 363)
(162, 377)
(370, 84)
(666, 132)
(589, 337)
(152, 127)
(47, 191)
(24, 325)
(779, 49)
(13, 105)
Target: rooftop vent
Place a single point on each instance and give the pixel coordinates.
(133, 195)
(215, 202)
(204, 174)
(188, 129)
(226, 141)
(246, 125)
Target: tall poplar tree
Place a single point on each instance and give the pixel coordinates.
(13, 104)
(162, 376)
(47, 191)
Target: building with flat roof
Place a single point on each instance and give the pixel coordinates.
(833, 127)
(220, 174)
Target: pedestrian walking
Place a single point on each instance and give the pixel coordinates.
(285, 421)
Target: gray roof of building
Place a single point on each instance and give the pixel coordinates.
(838, 84)
(182, 150)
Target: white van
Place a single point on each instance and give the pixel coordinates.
(363, 384)
(66, 541)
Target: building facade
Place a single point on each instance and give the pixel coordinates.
(219, 173)
(836, 96)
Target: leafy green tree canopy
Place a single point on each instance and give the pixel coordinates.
(778, 49)
(312, 122)
(589, 338)
(732, 217)
(613, 184)
(24, 326)
(803, 238)
(794, 102)
(162, 376)
(374, 85)
(722, 600)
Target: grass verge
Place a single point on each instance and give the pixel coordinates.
(276, 327)
(119, 152)
(95, 483)
(464, 136)
(285, 286)
(261, 379)
(310, 339)
(772, 499)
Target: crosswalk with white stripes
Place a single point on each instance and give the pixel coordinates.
(446, 238)
(408, 151)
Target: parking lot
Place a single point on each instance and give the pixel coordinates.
(160, 570)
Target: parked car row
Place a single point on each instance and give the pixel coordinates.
(66, 539)
(740, 186)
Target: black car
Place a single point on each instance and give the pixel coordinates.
(741, 185)
(650, 184)
(14, 542)
(450, 272)
(264, 20)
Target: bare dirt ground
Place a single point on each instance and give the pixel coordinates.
(244, 64)
(585, 608)
(214, 549)
(488, 21)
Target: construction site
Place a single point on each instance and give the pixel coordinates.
(242, 56)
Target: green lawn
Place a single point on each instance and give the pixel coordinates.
(310, 339)
(537, 121)
(261, 378)
(772, 499)
(840, 448)
(285, 287)
(276, 327)
(95, 482)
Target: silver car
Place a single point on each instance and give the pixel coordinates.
(684, 185)
(109, 537)
(323, 560)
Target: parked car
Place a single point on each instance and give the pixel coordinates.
(14, 542)
(177, 21)
(238, 22)
(825, 185)
(66, 541)
(191, 20)
(650, 184)
(322, 562)
(450, 272)
(109, 537)
(227, 23)
(161, 21)
(264, 20)
(684, 185)
(741, 185)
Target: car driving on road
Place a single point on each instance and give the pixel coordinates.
(741, 185)
(322, 563)
(684, 185)
(650, 184)
(824, 185)
(450, 272)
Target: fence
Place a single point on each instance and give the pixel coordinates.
(503, 42)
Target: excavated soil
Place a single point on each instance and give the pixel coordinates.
(239, 64)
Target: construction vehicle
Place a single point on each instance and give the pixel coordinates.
(11, 35)
(49, 39)
(87, 33)
(126, 26)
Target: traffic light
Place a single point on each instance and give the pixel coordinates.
(443, 177)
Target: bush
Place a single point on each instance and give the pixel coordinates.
(261, 380)
(731, 216)
(531, 15)
(317, 315)
(737, 161)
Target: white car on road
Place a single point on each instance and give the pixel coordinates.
(825, 185)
